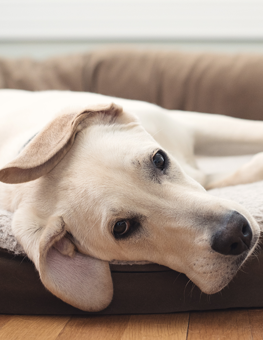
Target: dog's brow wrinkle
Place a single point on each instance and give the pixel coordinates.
(115, 211)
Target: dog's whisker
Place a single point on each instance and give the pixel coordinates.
(188, 282)
(186, 286)
(192, 289)
(177, 277)
(200, 296)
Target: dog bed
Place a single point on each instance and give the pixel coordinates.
(147, 288)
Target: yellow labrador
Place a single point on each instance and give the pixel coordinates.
(90, 183)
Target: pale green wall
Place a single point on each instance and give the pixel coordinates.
(42, 50)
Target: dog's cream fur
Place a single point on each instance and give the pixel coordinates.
(89, 164)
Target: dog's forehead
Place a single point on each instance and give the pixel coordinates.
(117, 143)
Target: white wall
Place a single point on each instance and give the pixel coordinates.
(131, 19)
(41, 28)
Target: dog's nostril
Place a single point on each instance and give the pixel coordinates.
(234, 237)
(246, 230)
(234, 246)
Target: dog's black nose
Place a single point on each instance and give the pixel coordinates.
(234, 238)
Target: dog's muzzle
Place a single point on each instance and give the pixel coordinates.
(234, 236)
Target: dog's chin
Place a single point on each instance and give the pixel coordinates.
(209, 290)
(220, 280)
(215, 286)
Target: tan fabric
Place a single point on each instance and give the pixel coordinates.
(64, 73)
(225, 84)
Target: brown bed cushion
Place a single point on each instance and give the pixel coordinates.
(205, 82)
(138, 289)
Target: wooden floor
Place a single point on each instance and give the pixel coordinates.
(227, 325)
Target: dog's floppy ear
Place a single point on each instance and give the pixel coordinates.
(50, 145)
(78, 279)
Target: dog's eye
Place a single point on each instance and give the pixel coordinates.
(159, 160)
(121, 228)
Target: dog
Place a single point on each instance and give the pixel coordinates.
(93, 179)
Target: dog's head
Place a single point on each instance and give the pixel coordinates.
(96, 188)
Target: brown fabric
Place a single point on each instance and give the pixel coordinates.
(62, 73)
(225, 84)
(138, 289)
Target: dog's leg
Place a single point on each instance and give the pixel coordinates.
(248, 173)
(221, 136)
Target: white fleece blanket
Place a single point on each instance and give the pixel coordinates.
(249, 195)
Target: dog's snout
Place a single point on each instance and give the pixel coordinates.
(234, 237)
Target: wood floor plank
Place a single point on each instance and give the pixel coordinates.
(219, 325)
(4, 319)
(256, 323)
(161, 327)
(95, 328)
(33, 327)
(234, 325)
